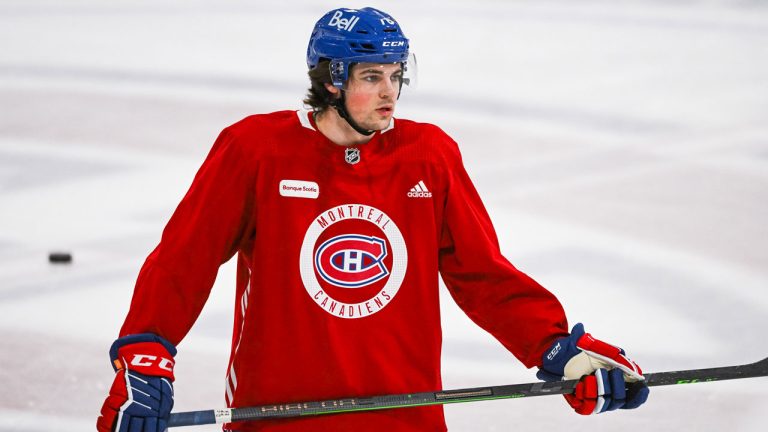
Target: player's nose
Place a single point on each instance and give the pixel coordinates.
(388, 89)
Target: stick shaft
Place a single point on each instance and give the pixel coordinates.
(300, 409)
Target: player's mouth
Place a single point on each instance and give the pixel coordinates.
(385, 110)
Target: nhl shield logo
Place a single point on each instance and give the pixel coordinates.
(352, 155)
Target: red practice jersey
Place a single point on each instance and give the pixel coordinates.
(338, 255)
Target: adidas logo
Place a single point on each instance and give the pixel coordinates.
(420, 191)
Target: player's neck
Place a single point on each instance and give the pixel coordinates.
(336, 129)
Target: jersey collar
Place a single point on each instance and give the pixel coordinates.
(307, 120)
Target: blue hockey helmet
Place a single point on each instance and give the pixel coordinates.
(346, 36)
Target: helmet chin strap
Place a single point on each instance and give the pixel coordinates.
(340, 105)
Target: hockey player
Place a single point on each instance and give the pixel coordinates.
(342, 218)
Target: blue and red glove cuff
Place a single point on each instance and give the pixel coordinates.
(137, 338)
(557, 356)
(145, 353)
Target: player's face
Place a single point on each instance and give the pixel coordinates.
(371, 94)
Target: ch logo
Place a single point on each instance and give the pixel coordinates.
(352, 261)
(358, 269)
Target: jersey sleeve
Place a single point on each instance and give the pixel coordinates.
(524, 316)
(206, 229)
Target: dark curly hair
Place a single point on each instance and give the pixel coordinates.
(318, 97)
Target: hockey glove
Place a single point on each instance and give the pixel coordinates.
(141, 397)
(609, 380)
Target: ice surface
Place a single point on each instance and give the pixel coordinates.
(620, 147)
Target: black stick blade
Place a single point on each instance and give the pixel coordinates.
(693, 376)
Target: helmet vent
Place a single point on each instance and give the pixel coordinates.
(362, 48)
(363, 31)
(389, 30)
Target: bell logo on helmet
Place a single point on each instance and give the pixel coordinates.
(343, 23)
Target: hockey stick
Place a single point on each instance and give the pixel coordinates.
(299, 409)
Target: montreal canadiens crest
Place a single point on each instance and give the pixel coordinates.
(353, 260)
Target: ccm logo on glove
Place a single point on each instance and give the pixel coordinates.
(554, 351)
(144, 360)
(149, 358)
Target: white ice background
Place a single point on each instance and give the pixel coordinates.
(621, 148)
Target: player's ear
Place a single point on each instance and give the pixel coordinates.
(331, 89)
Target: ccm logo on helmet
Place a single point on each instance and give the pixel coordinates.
(393, 43)
(352, 260)
(144, 360)
(343, 23)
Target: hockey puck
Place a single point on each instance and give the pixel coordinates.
(60, 257)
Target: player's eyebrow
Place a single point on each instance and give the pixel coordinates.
(372, 70)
